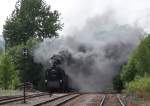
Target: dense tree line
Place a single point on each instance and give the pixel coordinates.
(138, 63)
(135, 74)
(28, 25)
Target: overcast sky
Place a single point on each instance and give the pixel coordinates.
(74, 13)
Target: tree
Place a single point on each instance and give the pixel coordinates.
(29, 23)
(9, 78)
(29, 71)
(143, 56)
(129, 70)
(31, 18)
(117, 83)
(139, 62)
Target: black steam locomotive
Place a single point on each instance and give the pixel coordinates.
(56, 79)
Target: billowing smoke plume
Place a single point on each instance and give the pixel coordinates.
(94, 54)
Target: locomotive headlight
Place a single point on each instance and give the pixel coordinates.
(60, 81)
(45, 81)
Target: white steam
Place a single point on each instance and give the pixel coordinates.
(97, 51)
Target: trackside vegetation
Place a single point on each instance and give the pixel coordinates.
(9, 76)
(135, 74)
(140, 86)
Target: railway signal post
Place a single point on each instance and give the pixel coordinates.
(25, 54)
(25, 85)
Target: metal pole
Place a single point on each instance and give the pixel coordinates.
(24, 87)
(24, 93)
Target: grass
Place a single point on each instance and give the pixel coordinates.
(10, 92)
(140, 87)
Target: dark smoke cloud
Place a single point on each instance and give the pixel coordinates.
(94, 54)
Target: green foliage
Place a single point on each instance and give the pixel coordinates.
(29, 23)
(129, 70)
(117, 83)
(139, 85)
(8, 75)
(135, 74)
(143, 54)
(139, 62)
(28, 69)
(31, 18)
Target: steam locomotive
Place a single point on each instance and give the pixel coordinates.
(56, 78)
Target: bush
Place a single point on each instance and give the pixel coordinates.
(117, 83)
(138, 63)
(8, 75)
(140, 86)
(129, 70)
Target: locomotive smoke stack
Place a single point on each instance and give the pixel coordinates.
(93, 55)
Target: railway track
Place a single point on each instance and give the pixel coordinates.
(10, 99)
(104, 101)
(121, 102)
(3, 97)
(61, 100)
(58, 101)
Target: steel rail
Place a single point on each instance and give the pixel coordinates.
(9, 100)
(8, 97)
(120, 101)
(67, 100)
(55, 99)
(102, 101)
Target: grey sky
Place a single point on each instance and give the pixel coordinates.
(74, 13)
